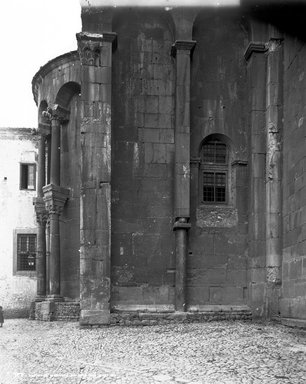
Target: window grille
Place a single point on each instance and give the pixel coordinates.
(214, 165)
(214, 152)
(26, 252)
(214, 187)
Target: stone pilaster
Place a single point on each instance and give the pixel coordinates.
(54, 198)
(41, 217)
(41, 214)
(95, 249)
(256, 65)
(274, 116)
(181, 50)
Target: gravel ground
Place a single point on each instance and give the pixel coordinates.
(210, 353)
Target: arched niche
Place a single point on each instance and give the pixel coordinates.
(66, 93)
(70, 152)
(220, 137)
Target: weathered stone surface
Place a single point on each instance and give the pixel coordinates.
(139, 131)
(216, 216)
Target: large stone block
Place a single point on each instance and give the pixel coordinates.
(151, 120)
(236, 277)
(94, 317)
(197, 295)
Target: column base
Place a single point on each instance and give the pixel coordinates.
(54, 298)
(39, 298)
(93, 317)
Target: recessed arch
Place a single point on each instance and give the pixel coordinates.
(218, 137)
(66, 93)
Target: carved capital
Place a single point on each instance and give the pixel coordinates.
(57, 112)
(274, 44)
(40, 210)
(55, 198)
(253, 46)
(183, 45)
(90, 46)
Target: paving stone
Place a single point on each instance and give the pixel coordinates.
(224, 352)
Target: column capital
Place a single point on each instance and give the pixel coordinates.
(55, 198)
(56, 112)
(255, 46)
(182, 45)
(40, 210)
(274, 44)
(90, 44)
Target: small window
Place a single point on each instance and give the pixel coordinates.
(214, 187)
(214, 171)
(28, 176)
(26, 252)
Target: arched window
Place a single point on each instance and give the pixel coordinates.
(214, 171)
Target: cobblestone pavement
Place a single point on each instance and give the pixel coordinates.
(210, 353)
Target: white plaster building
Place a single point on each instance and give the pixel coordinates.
(18, 152)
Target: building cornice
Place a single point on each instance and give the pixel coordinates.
(50, 66)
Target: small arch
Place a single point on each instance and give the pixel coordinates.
(217, 137)
(66, 93)
(43, 106)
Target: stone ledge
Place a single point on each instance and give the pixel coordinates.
(154, 318)
(160, 308)
(291, 322)
(70, 311)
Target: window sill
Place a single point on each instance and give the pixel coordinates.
(31, 274)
